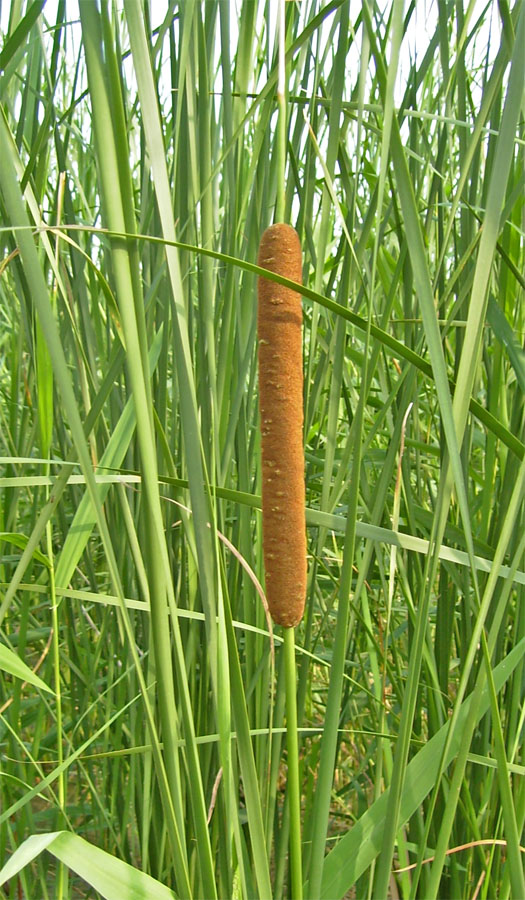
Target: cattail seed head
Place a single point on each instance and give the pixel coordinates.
(279, 323)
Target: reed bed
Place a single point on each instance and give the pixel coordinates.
(143, 697)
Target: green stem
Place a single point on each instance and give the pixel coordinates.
(60, 874)
(294, 795)
(281, 126)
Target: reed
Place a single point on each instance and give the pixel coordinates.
(156, 141)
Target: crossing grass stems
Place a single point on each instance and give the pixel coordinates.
(161, 759)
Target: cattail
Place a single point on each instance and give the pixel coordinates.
(279, 323)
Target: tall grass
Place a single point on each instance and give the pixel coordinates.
(142, 689)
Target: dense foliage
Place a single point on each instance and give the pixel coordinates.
(142, 694)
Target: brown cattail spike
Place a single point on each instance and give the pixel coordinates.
(279, 322)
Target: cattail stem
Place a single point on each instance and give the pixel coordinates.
(279, 321)
(281, 125)
(293, 783)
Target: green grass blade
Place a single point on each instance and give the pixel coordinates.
(10, 662)
(356, 850)
(103, 872)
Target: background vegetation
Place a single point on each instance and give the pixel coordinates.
(141, 692)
